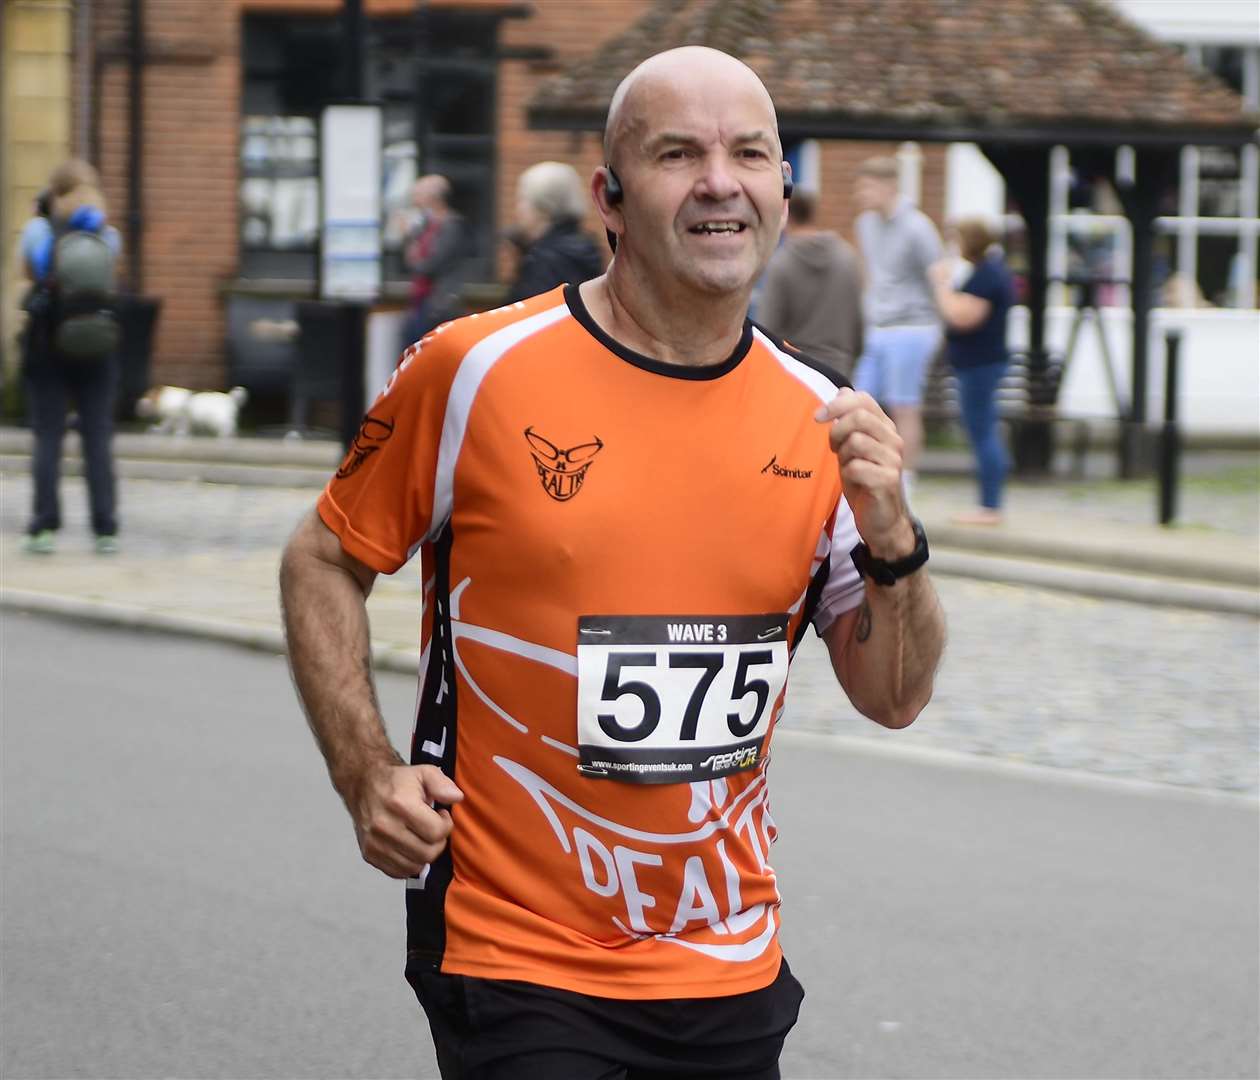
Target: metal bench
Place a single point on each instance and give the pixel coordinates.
(1024, 398)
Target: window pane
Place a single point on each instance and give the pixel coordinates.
(1220, 170)
(279, 189)
(1219, 270)
(293, 65)
(1226, 63)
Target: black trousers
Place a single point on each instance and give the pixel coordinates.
(489, 1029)
(52, 385)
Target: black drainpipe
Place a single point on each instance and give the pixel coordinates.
(135, 151)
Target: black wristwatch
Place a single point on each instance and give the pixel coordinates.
(883, 572)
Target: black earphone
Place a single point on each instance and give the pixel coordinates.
(614, 194)
(612, 188)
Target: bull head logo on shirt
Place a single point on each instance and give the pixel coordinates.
(562, 472)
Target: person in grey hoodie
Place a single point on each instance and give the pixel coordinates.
(811, 295)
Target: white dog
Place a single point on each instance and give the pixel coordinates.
(183, 412)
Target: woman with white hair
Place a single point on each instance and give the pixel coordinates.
(550, 204)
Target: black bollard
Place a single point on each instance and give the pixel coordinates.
(1170, 441)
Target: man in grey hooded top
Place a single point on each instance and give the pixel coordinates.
(812, 290)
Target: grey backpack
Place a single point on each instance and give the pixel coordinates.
(85, 326)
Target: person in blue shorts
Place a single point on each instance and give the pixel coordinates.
(898, 243)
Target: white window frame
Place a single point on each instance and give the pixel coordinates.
(1187, 226)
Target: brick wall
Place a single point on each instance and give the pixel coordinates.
(188, 227)
(570, 29)
(192, 115)
(839, 164)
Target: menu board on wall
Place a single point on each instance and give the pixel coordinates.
(350, 174)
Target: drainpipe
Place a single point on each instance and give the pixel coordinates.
(420, 119)
(135, 150)
(83, 59)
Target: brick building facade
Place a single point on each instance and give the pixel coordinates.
(188, 220)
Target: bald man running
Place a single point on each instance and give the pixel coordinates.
(630, 504)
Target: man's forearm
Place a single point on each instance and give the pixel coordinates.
(888, 660)
(326, 628)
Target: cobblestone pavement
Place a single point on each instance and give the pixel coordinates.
(1121, 689)
(1217, 493)
(1054, 679)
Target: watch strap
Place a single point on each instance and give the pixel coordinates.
(889, 571)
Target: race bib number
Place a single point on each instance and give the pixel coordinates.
(669, 699)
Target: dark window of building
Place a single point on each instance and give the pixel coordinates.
(434, 78)
(1226, 63)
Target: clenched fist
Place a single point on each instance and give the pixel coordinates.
(398, 829)
(868, 448)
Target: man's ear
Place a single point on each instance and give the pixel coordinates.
(609, 209)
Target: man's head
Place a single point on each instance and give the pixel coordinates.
(878, 185)
(430, 193)
(975, 237)
(546, 194)
(693, 139)
(74, 184)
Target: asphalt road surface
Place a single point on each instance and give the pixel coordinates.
(182, 896)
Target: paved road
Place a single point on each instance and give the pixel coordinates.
(1118, 688)
(182, 896)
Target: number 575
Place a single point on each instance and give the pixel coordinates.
(708, 664)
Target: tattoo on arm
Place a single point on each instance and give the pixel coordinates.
(864, 621)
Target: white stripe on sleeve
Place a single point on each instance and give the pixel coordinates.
(472, 371)
(844, 589)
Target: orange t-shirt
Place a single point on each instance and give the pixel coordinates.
(653, 536)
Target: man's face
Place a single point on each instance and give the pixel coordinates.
(875, 193)
(699, 161)
(425, 195)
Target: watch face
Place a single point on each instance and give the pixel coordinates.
(882, 574)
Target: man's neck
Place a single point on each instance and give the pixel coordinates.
(889, 210)
(692, 330)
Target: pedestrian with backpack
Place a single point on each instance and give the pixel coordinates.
(69, 349)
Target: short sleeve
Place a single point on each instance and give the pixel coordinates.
(36, 244)
(844, 588)
(927, 241)
(985, 283)
(380, 503)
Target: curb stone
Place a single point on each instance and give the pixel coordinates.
(1098, 583)
(133, 617)
(406, 661)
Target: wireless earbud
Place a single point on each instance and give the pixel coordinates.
(612, 187)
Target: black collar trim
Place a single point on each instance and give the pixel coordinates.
(577, 308)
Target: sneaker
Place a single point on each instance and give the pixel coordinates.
(107, 545)
(43, 542)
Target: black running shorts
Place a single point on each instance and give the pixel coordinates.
(491, 1029)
